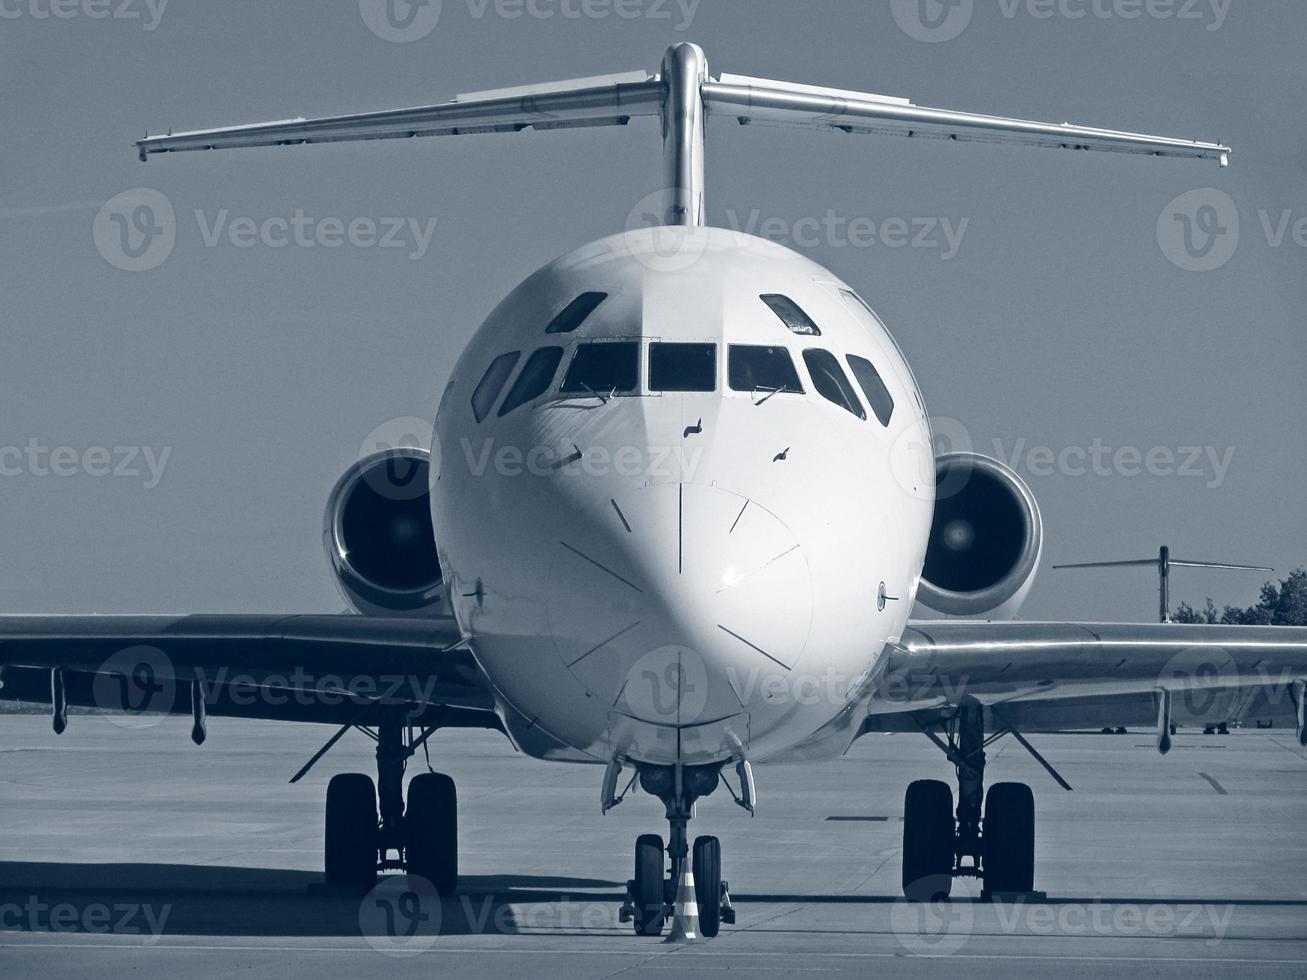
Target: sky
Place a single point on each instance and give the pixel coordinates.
(1127, 332)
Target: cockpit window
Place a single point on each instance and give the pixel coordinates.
(683, 367)
(535, 379)
(831, 382)
(606, 368)
(765, 369)
(878, 396)
(791, 315)
(576, 313)
(496, 376)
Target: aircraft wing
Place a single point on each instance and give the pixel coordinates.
(1050, 676)
(310, 668)
(606, 100)
(760, 100)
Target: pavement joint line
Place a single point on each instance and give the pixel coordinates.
(682, 953)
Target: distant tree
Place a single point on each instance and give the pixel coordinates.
(1284, 604)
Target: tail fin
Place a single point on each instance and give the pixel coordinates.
(1164, 563)
(684, 95)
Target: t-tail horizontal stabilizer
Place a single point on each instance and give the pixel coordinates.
(684, 95)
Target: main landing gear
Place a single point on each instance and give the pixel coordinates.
(996, 846)
(651, 894)
(367, 822)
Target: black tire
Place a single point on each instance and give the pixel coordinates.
(431, 831)
(648, 885)
(707, 868)
(351, 838)
(928, 838)
(1009, 838)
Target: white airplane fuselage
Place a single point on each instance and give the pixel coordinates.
(717, 573)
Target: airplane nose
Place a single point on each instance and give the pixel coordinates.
(675, 604)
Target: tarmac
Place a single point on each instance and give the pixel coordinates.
(128, 850)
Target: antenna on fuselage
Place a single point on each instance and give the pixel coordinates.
(1164, 563)
(685, 96)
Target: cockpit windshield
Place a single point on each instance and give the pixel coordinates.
(763, 369)
(604, 368)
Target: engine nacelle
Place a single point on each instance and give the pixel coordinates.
(985, 540)
(379, 537)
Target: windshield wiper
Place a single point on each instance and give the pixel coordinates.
(771, 393)
(595, 394)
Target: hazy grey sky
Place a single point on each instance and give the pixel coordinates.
(1039, 307)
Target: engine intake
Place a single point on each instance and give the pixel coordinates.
(985, 540)
(379, 538)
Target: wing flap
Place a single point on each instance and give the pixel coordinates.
(762, 100)
(601, 101)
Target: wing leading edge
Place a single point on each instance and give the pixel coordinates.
(1066, 675)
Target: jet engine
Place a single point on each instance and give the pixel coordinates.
(379, 537)
(985, 539)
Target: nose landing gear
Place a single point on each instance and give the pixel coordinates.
(651, 894)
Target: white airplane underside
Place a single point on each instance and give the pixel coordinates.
(681, 503)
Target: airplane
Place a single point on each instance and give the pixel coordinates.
(681, 500)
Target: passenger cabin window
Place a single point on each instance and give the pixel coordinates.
(878, 396)
(683, 367)
(831, 382)
(791, 315)
(767, 369)
(576, 313)
(605, 368)
(496, 376)
(534, 380)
